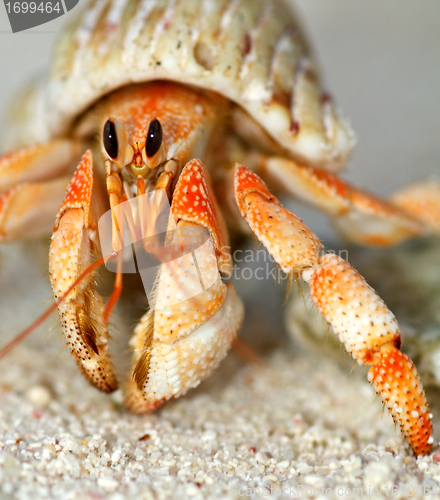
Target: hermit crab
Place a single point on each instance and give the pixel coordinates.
(200, 103)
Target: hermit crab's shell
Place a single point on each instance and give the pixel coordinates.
(251, 51)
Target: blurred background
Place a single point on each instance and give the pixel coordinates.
(380, 61)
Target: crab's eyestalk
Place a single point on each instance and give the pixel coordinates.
(115, 143)
(154, 138)
(152, 154)
(109, 139)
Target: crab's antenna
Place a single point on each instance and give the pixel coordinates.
(116, 292)
(250, 356)
(20, 337)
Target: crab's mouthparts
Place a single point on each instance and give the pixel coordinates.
(141, 178)
(140, 169)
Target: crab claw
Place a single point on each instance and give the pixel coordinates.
(81, 312)
(357, 314)
(195, 317)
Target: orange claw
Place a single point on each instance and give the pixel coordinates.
(81, 312)
(193, 201)
(79, 192)
(357, 314)
(195, 316)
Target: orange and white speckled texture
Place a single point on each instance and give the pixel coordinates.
(176, 367)
(64, 264)
(396, 380)
(358, 315)
(245, 182)
(194, 201)
(79, 192)
(289, 241)
(371, 334)
(182, 303)
(189, 288)
(70, 253)
(363, 217)
(196, 316)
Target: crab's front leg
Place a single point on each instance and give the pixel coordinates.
(360, 318)
(81, 312)
(196, 317)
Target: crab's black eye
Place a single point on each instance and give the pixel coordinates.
(110, 139)
(154, 138)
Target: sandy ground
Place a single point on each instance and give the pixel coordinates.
(304, 422)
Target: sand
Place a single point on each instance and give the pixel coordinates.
(302, 424)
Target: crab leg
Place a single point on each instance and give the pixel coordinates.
(359, 317)
(71, 249)
(359, 215)
(33, 183)
(37, 163)
(195, 317)
(28, 210)
(421, 200)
